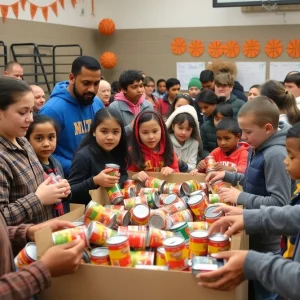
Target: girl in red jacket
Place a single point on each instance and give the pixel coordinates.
(152, 148)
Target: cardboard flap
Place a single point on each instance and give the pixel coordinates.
(76, 211)
(43, 240)
(100, 196)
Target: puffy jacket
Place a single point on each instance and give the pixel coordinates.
(208, 136)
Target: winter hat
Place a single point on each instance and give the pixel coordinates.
(195, 82)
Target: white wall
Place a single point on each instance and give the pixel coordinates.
(130, 14)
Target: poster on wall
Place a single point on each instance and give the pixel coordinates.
(187, 70)
(278, 70)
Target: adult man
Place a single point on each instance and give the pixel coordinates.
(73, 105)
(14, 69)
(39, 98)
(104, 92)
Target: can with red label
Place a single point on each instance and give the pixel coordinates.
(115, 194)
(217, 243)
(137, 238)
(158, 219)
(190, 186)
(156, 236)
(161, 257)
(197, 226)
(140, 214)
(100, 256)
(181, 229)
(170, 199)
(122, 230)
(198, 243)
(216, 186)
(144, 191)
(210, 216)
(175, 207)
(153, 182)
(98, 233)
(131, 202)
(129, 192)
(123, 218)
(128, 183)
(26, 256)
(175, 188)
(152, 199)
(181, 216)
(142, 258)
(115, 207)
(210, 163)
(198, 204)
(70, 234)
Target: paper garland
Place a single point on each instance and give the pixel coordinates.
(215, 49)
(273, 48)
(196, 48)
(231, 49)
(178, 46)
(251, 48)
(293, 48)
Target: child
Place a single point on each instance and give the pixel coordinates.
(231, 155)
(180, 100)
(173, 88)
(152, 148)
(254, 91)
(105, 144)
(289, 112)
(292, 84)
(160, 88)
(24, 196)
(223, 87)
(149, 85)
(115, 89)
(184, 132)
(222, 111)
(194, 87)
(207, 80)
(207, 101)
(130, 101)
(267, 182)
(42, 135)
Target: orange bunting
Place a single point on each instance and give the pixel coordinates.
(62, 3)
(4, 12)
(293, 48)
(45, 12)
(215, 49)
(54, 8)
(15, 9)
(23, 2)
(251, 48)
(73, 2)
(196, 48)
(231, 49)
(178, 46)
(274, 48)
(108, 60)
(33, 9)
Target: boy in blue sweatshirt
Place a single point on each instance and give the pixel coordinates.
(73, 105)
(265, 181)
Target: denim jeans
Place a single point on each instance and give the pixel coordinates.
(260, 293)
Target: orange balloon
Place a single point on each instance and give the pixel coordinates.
(232, 49)
(251, 48)
(274, 48)
(108, 60)
(215, 49)
(196, 48)
(107, 26)
(293, 48)
(178, 46)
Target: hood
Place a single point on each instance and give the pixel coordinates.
(242, 146)
(278, 138)
(162, 142)
(231, 99)
(176, 144)
(238, 86)
(135, 108)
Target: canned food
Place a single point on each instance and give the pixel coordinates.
(152, 182)
(210, 216)
(156, 236)
(119, 253)
(26, 256)
(100, 256)
(98, 233)
(161, 256)
(158, 219)
(198, 204)
(198, 243)
(216, 186)
(217, 243)
(174, 188)
(206, 264)
(125, 229)
(115, 207)
(85, 257)
(197, 226)
(70, 234)
(170, 199)
(128, 183)
(176, 253)
(144, 191)
(203, 187)
(142, 258)
(214, 198)
(181, 216)
(78, 223)
(175, 207)
(131, 202)
(115, 194)
(210, 163)
(181, 229)
(137, 236)
(123, 217)
(190, 186)
(140, 214)
(128, 192)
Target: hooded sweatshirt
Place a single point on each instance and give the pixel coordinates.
(265, 182)
(238, 91)
(154, 161)
(74, 121)
(192, 148)
(236, 104)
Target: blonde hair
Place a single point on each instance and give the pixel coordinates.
(219, 66)
(224, 79)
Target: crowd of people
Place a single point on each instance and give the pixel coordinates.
(145, 125)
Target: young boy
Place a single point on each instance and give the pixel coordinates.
(292, 84)
(266, 181)
(160, 88)
(173, 88)
(231, 155)
(130, 101)
(194, 87)
(207, 80)
(223, 87)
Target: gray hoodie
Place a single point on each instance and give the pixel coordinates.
(278, 185)
(274, 272)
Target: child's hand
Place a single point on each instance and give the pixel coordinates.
(221, 167)
(229, 195)
(166, 171)
(194, 172)
(105, 180)
(214, 176)
(67, 185)
(201, 165)
(141, 176)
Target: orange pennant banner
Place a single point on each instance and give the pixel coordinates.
(54, 7)
(62, 3)
(33, 9)
(45, 12)
(74, 2)
(23, 2)
(15, 9)
(4, 11)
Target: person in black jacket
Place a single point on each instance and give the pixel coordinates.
(104, 144)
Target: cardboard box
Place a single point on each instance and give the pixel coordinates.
(112, 283)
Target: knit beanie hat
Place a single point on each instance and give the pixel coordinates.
(195, 82)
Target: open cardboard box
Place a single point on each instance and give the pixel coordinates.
(111, 283)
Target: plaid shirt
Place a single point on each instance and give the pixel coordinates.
(24, 283)
(20, 176)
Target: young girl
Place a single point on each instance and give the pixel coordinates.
(149, 86)
(180, 100)
(285, 101)
(207, 101)
(254, 91)
(104, 144)
(222, 111)
(24, 196)
(184, 132)
(152, 148)
(42, 135)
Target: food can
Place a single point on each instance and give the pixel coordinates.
(140, 214)
(217, 243)
(85, 257)
(78, 223)
(125, 229)
(193, 226)
(142, 258)
(131, 202)
(214, 198)
(198, 205)
(128, 183)
(162, 198)
(152, 199)
(190, 186)
(174, 188)
(161, 257)
(100, 256)
(115, 207)
(210, 163)
(115, 167)
(203, 186)
(119, 252)
(210, 216)
(176, 253)
(216, 186)
(206, 264)
(152, 182)
(198, 243)
(156, 268)
(181, 229)
(137, 236)
(115, 194)
(98, 233)
(70, 234)
(123, 217)
(158, 219)
(181, 216)
(26, 256)
(175, 207)
(129, 192)
(144, 191)
(156, 236)
(170, 199)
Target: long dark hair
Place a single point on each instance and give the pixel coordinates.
(224, 109)
(180, 96)
(136, 153)
(41, 119)
(120, 152)
(209, 97)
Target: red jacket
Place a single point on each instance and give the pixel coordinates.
(164, 106)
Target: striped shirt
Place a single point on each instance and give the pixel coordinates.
(20, 175)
